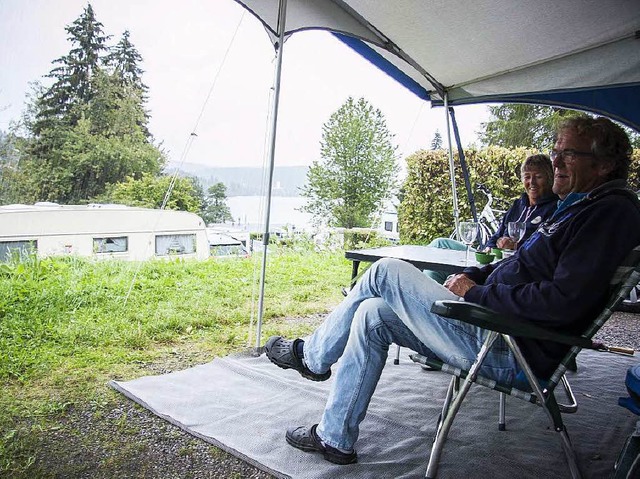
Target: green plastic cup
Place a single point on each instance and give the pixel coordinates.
(484, 258)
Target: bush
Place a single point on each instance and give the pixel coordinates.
(426, 210)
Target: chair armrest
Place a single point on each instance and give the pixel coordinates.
(489, 319)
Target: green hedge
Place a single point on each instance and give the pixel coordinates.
(426, 210)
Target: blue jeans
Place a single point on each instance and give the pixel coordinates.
(445, 243)
(390, 304)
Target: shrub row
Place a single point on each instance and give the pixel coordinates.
(426, 209)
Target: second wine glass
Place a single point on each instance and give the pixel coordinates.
(468, 231)
(516, 231)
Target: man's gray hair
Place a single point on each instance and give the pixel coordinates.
(609, 142)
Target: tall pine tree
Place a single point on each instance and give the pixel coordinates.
(124, 61)
(89, 129)
(73, 75)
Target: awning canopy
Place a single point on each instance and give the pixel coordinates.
(581, 54)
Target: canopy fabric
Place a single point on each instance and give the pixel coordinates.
(582, 54)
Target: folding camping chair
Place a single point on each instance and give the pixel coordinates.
(535, 391)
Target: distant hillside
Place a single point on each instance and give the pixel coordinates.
(245, 181)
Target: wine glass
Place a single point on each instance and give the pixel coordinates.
(516, 231)
(468, 231)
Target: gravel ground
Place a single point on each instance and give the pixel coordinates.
(622, 329)
(121, 439)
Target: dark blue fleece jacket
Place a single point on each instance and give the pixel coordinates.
(532, 215)
(559, 277)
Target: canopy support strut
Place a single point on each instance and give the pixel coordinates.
(282, 12)
(452, 170)
(464, 166)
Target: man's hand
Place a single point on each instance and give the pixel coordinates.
(506, 243)
(459, 284)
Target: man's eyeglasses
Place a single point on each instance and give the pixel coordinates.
(569, 155)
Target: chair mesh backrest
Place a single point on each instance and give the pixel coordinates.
(626, 277)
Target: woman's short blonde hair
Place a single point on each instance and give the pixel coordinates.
(541, 163)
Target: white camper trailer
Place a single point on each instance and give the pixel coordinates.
(101, 231)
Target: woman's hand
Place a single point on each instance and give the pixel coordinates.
(506, 243)
(459, 284)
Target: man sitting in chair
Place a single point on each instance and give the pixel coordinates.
(558, 278)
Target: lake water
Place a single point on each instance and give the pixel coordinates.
(284, 210)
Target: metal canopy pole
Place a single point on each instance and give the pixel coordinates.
(452, 170)
(463, 165)
(282, 12)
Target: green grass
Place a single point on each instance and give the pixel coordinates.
(69, 325)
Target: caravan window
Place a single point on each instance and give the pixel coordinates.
(175, 244)
(20, 248)
(388, 225)
(111, 245)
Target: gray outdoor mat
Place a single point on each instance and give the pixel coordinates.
(243, 404)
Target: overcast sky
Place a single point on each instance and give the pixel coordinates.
(225, 102)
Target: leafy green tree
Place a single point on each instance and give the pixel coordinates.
(216, 209)
(150, 192)
(531, 126)
(117, 109)
(357, 171)
(72, 165)
(436, 143)
(515, 125)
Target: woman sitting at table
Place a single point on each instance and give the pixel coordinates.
(535, 205)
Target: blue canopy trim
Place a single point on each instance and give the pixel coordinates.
(618, 102)
(369, 54)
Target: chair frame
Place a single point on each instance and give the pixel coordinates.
(497, 326)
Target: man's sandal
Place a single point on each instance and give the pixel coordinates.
(282, 353)
(306, 439)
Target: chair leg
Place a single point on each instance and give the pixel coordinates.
(447, 418)
(502, 425)
(572, 405)
(452, 392)
(444, 424)
(570, 454)
(550, 406)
